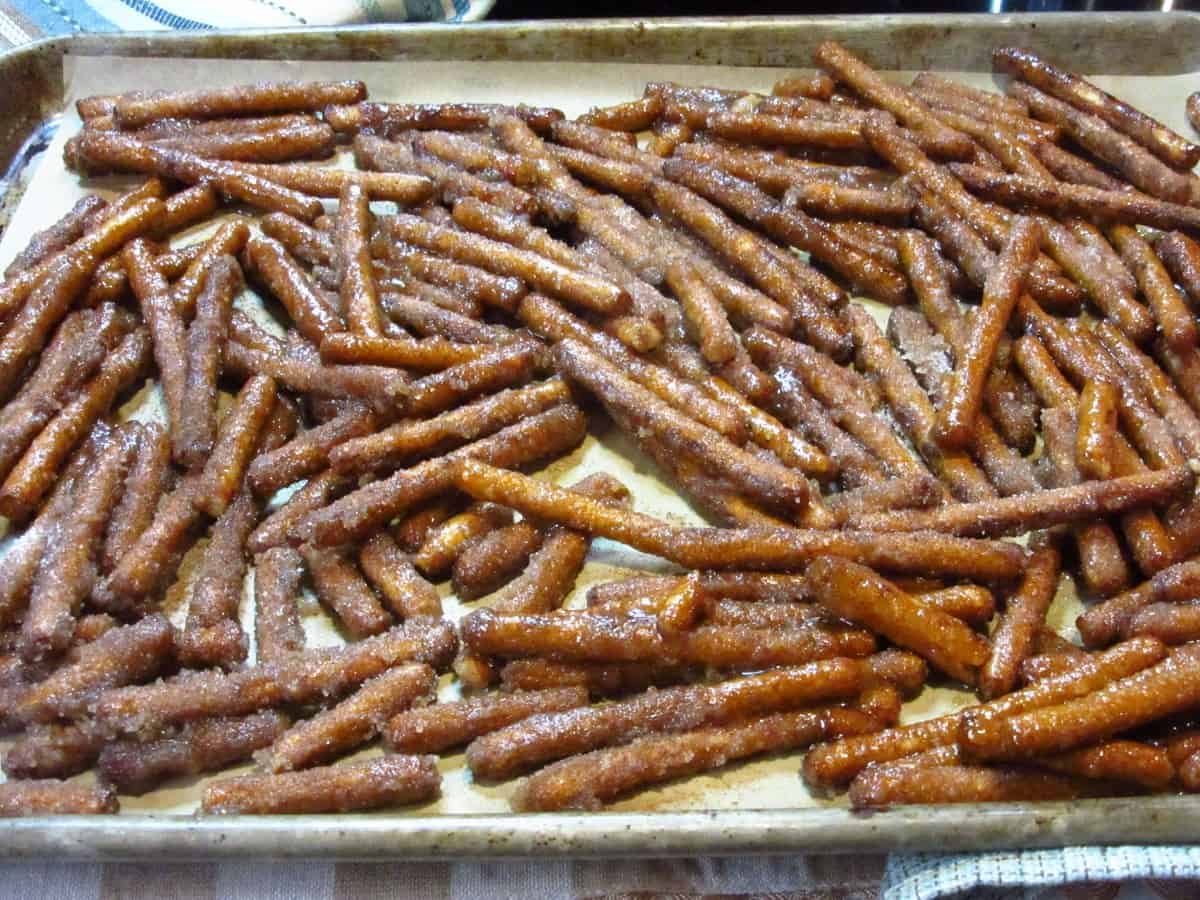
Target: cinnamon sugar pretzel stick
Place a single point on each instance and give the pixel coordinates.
(1155, 384)
(1102, 623)
(1023, 512)
(770, 483)
(358, 291)
(545, 317)
(577, 287)
(912, 408)
(1181, 255)
(391, 119)
(856, 593)
(1117, 204)
(48, 797)
(407, 441)
(119, 152)
(847, 68)
(166, 326)
(228, 240)
(277, 628)
(1005, 282)
(1097, 429)
(224, 470)
(493, 560)
(436, 728)
(308, 453)
(127, 655)
(1151, 544)
(554, 566)
(318, 492)
(836, 763)
(72, 357)
(1024, 612)
(878, 281)
(213, 635)
(1009, 398)
(549, 736)
(58, 236)
(386, 781)
(1152, 134)
(133, 110)
(1101, 562)
(449, 183)
(1104, 142)
(340, 587)
(206, 338)
(706, 548)
(59, 281)
(310, 676)
(326, 181)
(361, 511)
(1160, 690)
(300, 238)
(32, 478)
(137, 767)
(312, 314)
(392, 573)
(68, 570)
(589, 780)
(148, 478)
(352, 722)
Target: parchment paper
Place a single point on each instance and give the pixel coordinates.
(763, 784)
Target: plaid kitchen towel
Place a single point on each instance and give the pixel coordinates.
(22, 21)
(1100, 873)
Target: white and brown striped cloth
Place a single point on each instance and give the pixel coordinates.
(22, 21)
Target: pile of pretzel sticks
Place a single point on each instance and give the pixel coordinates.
(489, 282)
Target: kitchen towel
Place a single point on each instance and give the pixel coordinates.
(22, 21)
(1099, 872)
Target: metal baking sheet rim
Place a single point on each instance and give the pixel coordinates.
(1090, 42)
(36, 70)
(1141, 820)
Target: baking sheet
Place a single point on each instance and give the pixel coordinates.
(762, 785)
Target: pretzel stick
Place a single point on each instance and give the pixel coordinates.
(1156, 137)
(706, 548)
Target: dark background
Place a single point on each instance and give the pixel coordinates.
(543, 9)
